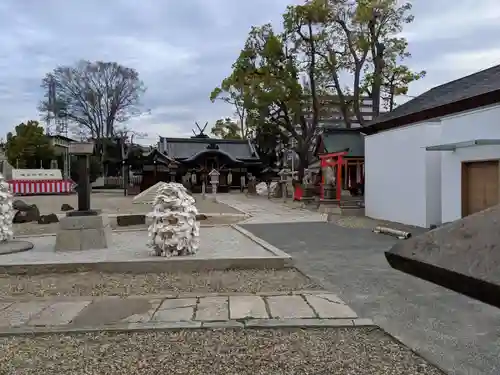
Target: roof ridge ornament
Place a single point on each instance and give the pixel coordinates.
(201, 133)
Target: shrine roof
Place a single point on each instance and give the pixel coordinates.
(186, 148)
(336, 140)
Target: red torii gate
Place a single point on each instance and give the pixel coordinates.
(333, 159)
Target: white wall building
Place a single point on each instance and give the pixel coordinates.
(435, 159)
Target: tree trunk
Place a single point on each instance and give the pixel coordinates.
(391, 97)
(303, 164)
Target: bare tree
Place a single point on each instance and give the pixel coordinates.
(95, 96)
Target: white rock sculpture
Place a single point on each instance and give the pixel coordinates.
(6, 211)
(174, 230)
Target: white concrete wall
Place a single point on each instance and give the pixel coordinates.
(480, 124)
(433, 177)
(399, 174)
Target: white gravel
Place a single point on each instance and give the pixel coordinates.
(100, 284)
(253, 352)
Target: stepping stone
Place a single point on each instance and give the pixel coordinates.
(20, 313)
(212, 309)
(59, 313)
(329, 306)
(175, 310)
(289, 307)
(247, 307)
(463, 256)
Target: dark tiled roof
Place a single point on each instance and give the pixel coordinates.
(341, 139)
(471, 86)
(157, 155)
(184, 148)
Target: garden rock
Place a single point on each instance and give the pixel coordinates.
(27, 214)
(20, 205)
(66, 207)
(48, 219)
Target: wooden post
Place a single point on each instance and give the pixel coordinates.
(322, 190)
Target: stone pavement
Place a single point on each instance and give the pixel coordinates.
(264, 210)
(194, 310)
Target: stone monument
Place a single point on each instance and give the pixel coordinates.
(84, 228)
(174, 230)
(7, 245)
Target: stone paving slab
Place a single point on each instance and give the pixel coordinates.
(221, 248)
(309, 309)
(247, 307)
(213, 309)
(175, 310)
(263, 210)
(329, 306)
(290, 307)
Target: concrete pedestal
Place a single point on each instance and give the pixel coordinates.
(83, 233)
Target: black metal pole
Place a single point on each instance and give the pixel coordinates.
(125, 177)
(83, 183)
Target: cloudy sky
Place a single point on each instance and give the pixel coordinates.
(183, 49)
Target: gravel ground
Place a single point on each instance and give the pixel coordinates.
(30, 229)
(362, 351)
(99, 284)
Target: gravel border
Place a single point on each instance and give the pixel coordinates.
(101, 284)
(360, 351)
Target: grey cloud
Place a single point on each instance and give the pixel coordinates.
(182, 49)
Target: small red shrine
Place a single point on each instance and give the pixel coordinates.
(336, 161)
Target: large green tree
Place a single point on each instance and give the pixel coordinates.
(361, 38)
(29, 147)
(226, 129)
(329, 51)
(232, 92)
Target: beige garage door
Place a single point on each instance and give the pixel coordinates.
(480, 186)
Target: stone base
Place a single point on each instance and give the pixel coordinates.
(83, 233)
(463, 256)
(14, 246)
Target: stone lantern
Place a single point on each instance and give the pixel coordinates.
(283, 180)
(214, 181)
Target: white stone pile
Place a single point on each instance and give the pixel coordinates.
(6, 211)
(174, 230)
